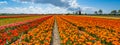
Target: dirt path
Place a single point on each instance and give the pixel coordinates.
(56, 37)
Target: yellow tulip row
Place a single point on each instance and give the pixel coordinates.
(41, 35)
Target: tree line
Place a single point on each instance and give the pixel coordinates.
(113, 12)
(99, 12)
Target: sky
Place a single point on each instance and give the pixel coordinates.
(57, 6)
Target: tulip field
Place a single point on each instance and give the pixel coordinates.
(72, 30)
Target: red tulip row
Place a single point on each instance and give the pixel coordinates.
(14, 31)
(9, 26)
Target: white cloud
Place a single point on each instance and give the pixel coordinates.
(3, 2)
(74, 4)
(20, 2)
(51, 8)
(43, 10)
(34, 10)
(90, 10)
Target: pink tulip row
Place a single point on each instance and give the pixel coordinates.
(20, 23)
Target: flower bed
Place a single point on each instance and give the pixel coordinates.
(106, 31)
(41, 35)
(12, 32)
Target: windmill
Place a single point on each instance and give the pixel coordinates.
(78, 11)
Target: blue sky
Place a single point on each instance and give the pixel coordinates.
(57, 6)
(106, 5)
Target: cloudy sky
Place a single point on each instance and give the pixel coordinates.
(57, 6)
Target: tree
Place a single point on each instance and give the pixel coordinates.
(113, 12)
(68, 13)
(79, 12)
(85, 13)
(76, 13)
(119, 12)
(96, 12)
(73, 13)
(100, 11)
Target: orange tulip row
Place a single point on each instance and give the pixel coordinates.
(41, 35)
(105, 30)
(111, 24)
(70, 35)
